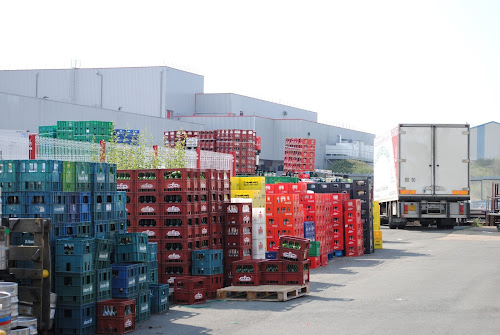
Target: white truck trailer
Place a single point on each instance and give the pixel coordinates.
(421, 173)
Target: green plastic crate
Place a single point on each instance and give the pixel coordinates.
(314, 249)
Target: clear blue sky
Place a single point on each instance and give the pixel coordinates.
(370, 64)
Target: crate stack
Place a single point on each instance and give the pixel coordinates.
(82, 131)
(353, 228)
(103, 251)
(75, 286)
(237, 236)
(362, 190)
(294, 252)
(180, 209)
(377, 233)
(284, 216)
(241, 143)
(159, 298)
(127, 136)
(47, 131)
(209, 264)
(300, 155)
(130, 273)
(337, 215)
(315, 254)
(253, 188)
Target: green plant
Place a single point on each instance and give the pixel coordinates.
(477, 222)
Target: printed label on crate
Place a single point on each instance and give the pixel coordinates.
(145, 308)
(83, 178)
(149, 232)
(122, 186)
(226, 185)
(261, 246)
(290, 254)
(101, 179)
(173, 185)
(173, 209)
(203, 185)
(246, 219)
(104, 285)
(147, 209)
(204, 231)
(246, 240)
(128, 323)
(174, 233)
(198, 296)
(305, 276)
(143, 248)
(103, 255)
(147, 186)
(261, 230)
(88, 322)
(131, 281)
(108, 207)
(89, 289)
(58, 209)
(163, 300)
(203, 208)
(245, 278)
(143, 278)
(39, 209)
(171, 280)
(174, 256)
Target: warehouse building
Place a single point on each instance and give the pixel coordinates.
(162, 99)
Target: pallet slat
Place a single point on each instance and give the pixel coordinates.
(262, 292)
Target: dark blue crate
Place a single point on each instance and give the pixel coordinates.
(207, 258)
(103, 250)
(331, 255)
(75, 263)
(339, 253)
(14, 209)
(40, 170)
(159, 298)
(142, 276)
(75, 288)
(142, 306)
(9, 172)
(112, 176)
(271, 255)
(103, 284)
(131, 247)
(153, 272)
(10, 186)
(75, 320)
(102, 206)
(124, 280)
(85, 200)
(23, 239)
(69, 230)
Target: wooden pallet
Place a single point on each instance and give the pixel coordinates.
(263, 292)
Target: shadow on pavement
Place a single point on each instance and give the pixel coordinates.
(318, 286)
(165, 324)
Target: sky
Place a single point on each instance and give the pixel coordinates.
(364, 64)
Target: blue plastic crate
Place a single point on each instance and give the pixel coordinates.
(124, 280)
(152, 252)
(271, 255)
(14, 203)
(338, 253)
(159, 298)
(131, 247)
(103, 284)
(142, 276)
(75, 246)
(207, 258)
(40, 175)
(102, 206)
(103, 250)
(75, 263)
(75, 288)
(71, 230)
(143, 306)
(9, 172)
(23, 239)
(75, 320)
(10, 186)
(153, 274)
(102, 229)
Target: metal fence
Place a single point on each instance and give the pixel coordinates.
(14, 147)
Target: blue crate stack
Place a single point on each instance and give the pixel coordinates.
(159, 298)
(127, 136)
(131, 275)
(207, 262)
(75, 286)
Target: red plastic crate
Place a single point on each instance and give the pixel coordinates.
(237, 253)
(177, 185)
(296, 278)
(150, 186)
(177, 233)
(315, 262)
(299, 244)
(293, 266)
(238, 240)
(324, 260)
(247, 279)
(189, 283)
(146, 221)
(119, 323)
(214, 282)
(182, 297)
(176, 244)
(174, 269)
(125, 185)
(241, 209)
(175, 256)
(180, 221)
(153, 233)
(272, 265)
(178, 209)
(147, 209)
(272, 278)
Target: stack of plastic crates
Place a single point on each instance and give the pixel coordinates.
(75, 286)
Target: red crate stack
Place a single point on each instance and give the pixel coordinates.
(284, 216)
(353, 228)
(175, 209)
(237, 236)
(247, 272)
(293, 251)
(300, 155)
(337, 217)
(189, 290)
(172, 137)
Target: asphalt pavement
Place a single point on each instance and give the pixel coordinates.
(424, 281)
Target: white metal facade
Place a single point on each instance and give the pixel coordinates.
(146, 90)
(235, 104)
(484, 141)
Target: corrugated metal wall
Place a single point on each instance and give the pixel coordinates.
(146, 90)
(229, 103)
(18, 112)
